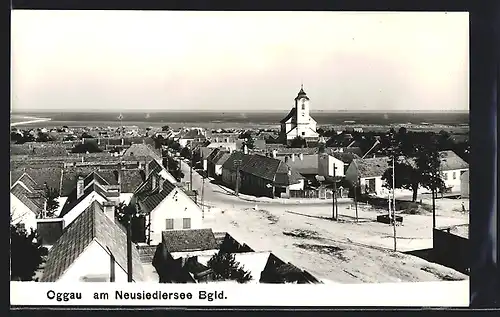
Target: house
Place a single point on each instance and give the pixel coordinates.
(26, 202)
(173, 259)
(452, 169)
(298, 122)
(229, 168)
(92, 249)
(368, 173)
(166, 207)
(269, 177)
(224, 137)
(187, 137)
(88, 189)
(328, 159)
(306, 165)
(143, 150)
(215, 161)
(225, 146)
(464, 185)
(204, 154)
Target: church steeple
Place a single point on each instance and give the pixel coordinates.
(302, 93)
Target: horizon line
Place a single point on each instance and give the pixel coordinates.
(228, 110)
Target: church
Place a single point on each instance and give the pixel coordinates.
(298, 122)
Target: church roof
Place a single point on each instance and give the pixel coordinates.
(301, 94)
(291, 114)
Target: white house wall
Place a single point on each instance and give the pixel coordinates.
(208, 253)
(218, 170)
(78, 209)
(22, 214)
(454, 184)
(298, 186)
(169, 208)
(94, 261)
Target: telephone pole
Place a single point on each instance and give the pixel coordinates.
(237, 164)
(203, 195)
(394, 202)
(129, 247)
(356, 197)
(191, 173)
(334, 196)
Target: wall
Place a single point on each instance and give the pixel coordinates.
(299, 186)
(22, 214)
(218, 170)
(169, 208)
(464, 187)
(451, 250)
(455, 184)
(78, 209)
(209, 253)
(94, 260)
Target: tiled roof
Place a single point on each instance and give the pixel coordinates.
(189, 240)
(345, 157)
(451, 161)
(308, 165)
(38, 149)
(191, 134)
(49, 175)
(73, 200)
(148, 197)
(22, 194)
(283, 178)
(236, 155)
(142, 150)
(27, 181)
(212, 155)
(221, 158)
(290, 151)
(371, 167)
(91, 225)
(261, 166)
(206, 151)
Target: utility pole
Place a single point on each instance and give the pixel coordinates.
(237, 164)
(191, 173)
(202, 195)
(394, 202)
(334, 196)
(129, 245)
(356, 197)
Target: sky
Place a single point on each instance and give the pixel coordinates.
(239, 61)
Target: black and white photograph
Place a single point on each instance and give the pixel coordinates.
(221, 148)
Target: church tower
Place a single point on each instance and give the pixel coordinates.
(302, 107)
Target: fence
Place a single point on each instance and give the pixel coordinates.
(318, 193)
(451, 250)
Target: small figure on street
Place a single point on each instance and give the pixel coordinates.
(463, 207)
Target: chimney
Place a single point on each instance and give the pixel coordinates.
(293, 157)
(275, 153)
(160, 183)
(245, 149)
(301, 156)
(123, 142)
(109, 209)
(146, 168)
(80, 187)
(154, 182)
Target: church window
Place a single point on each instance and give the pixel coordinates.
(303, 106)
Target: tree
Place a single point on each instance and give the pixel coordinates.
(249, 142)
(159, 141)
(165, 128)
(88, 147)
(85, 135)
(298, 142)
(173, 167)
(26, 253)
(416, 163)
(122, 214)
(44, 137)
(225, 267)
(186, 152)
(51, 195)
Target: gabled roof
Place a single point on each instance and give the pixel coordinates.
(285, 175)
(205, 152)
(345, 157)
(352, 150)
(212, 155)
(49, 175)
(27, 181)
(451, 161)
(308, 164)
(220, 158)
(142, 150)
(23, 195)
(91, 183)
(189, 240)
(371, 167)
(261, 166)
(148, 197)
(236, 155)
(90, 225)
(291, 114)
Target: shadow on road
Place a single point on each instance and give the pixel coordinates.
(430, 256)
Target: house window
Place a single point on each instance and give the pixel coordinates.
(445, 176)
(186, 223)
(303, 133)
(169, 224)
(454, 175)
